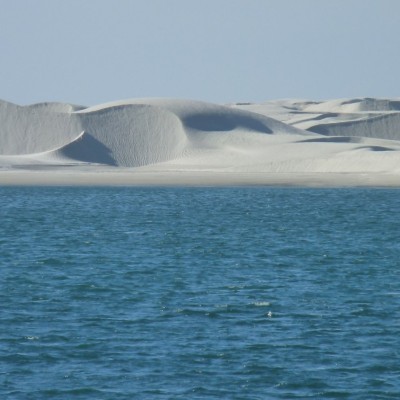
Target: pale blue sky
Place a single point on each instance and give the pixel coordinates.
(92, 51)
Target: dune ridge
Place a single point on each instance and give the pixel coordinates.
(171, 137)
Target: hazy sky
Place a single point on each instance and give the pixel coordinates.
(92, 51)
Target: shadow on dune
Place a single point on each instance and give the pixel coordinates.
(88, 149)
(315, 117)
(375, 148)
(220, 123)
(321, 129)
(332, 139)
(347, 139)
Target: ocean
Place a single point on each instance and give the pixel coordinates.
(199, 293)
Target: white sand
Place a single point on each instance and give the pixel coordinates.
(349, 142)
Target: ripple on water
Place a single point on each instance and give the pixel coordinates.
(132, 293)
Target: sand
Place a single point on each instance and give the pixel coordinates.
(347, 142)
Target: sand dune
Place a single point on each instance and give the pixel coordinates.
(355, 105)
(35, 129)
(382, 126)
(170, 138)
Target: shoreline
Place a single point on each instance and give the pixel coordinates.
(198, 179)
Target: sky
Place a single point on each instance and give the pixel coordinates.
(93, 51)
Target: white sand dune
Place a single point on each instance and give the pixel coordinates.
(35, 129)
(161, 141)
(366, 104)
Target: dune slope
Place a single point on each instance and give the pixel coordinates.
(35, 129)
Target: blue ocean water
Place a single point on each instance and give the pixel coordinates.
(199, 293)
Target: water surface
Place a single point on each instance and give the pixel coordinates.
(199, 293)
